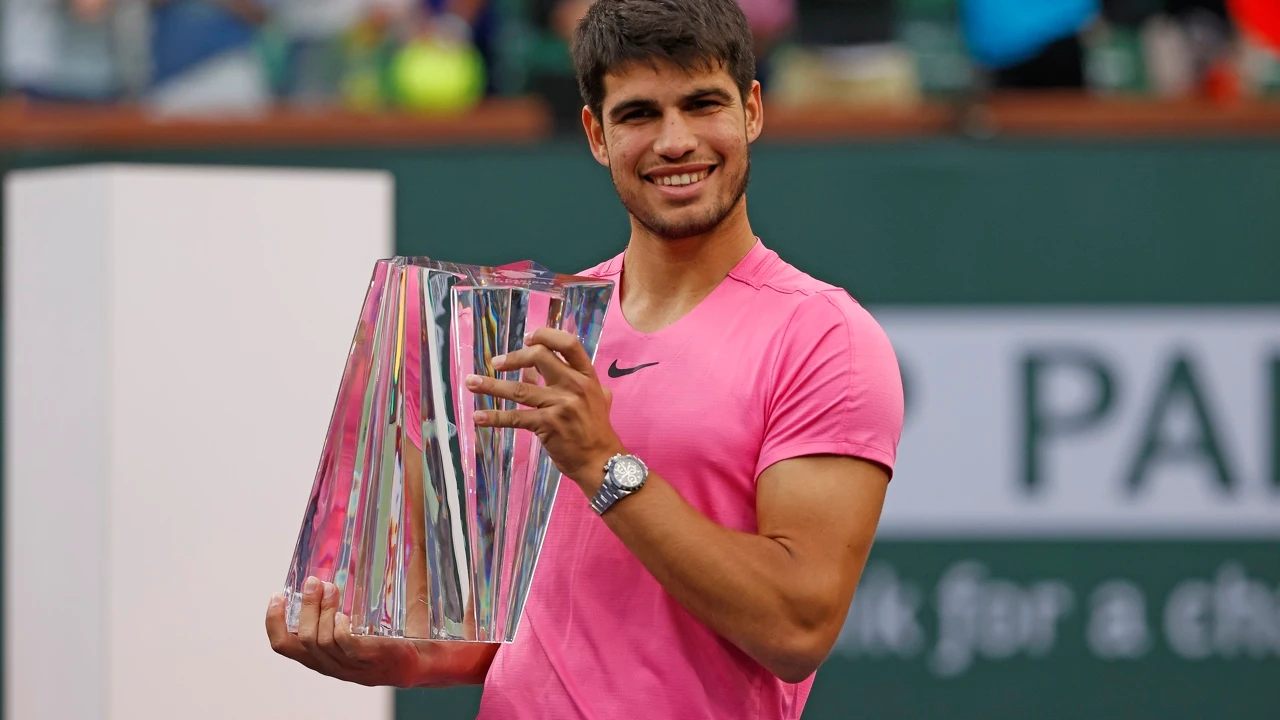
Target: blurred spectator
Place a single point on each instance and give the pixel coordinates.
(321, 47)
(560, 16)
(470, 21)
(770, 21)
(547, 62)
(845, 53)
(1207, 50)
(204, 57)
(1029, 43)
(345, 51)
(233, 56)
(72, 50)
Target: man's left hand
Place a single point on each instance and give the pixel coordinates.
(569, 414)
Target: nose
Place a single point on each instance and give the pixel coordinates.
(676, 138)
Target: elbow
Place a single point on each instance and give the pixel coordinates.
(801, 649)
(802, 629)
(794, 673)
(797, 659)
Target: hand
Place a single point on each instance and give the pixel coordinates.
(325, 644)
(570, 414)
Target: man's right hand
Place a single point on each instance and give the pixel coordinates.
(325, 644)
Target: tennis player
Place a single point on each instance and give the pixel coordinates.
(726, 456)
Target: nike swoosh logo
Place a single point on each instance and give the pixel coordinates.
(617, 372)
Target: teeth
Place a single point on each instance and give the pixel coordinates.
(679, 180)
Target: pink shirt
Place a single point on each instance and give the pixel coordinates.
(772, 365)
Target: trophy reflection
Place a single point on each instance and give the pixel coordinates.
(430, 526)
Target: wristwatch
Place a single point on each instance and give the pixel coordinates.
(623, 475)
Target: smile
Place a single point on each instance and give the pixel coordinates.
(681, 179)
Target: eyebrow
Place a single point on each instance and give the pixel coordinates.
(643, 103)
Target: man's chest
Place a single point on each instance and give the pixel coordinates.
(694, 411)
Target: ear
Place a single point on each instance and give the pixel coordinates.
(754, 108)
(595, 136)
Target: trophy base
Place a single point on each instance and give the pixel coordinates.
(293, 612)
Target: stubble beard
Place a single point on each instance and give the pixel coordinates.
(664, 229)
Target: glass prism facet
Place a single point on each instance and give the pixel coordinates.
(430, 526)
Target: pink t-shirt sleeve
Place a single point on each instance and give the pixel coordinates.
(835, 387)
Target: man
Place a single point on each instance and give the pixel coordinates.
(731, 453)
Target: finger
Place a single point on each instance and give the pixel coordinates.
(342, 637)
(522, 419)
(518, 392)
(566, 344)
(324, 632)
(353, 647)
(282, 641)
(530, 375)
(309, 617)
(540, 357)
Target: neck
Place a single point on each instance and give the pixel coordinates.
(663, 279)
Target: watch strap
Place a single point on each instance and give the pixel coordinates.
(605, 497)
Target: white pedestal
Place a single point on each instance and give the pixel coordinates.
(174, 337)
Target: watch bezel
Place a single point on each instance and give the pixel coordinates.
(614, 476)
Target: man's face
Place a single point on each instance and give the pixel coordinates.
(676, 144)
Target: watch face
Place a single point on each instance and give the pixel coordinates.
(628, 473)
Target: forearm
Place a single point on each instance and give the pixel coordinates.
(747, 588)
(450, 664)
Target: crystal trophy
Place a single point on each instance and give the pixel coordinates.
(430, 526)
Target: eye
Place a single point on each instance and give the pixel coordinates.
(637, 115)
(703, 104)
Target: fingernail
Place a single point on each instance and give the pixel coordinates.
(330, 590)
(473, 381)
(276, 600)
(498, 360)
(481, 417)
(310, 585)
(528, 337)
(339, 618)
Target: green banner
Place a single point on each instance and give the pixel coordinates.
(1054, 629)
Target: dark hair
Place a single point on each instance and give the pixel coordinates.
(691, 34)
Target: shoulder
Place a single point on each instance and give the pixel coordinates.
(832, 327)
(835, 310)
(834, 385)
(815, 310)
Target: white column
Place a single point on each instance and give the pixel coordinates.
(174, 338)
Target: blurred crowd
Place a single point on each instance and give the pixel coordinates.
(235, 56)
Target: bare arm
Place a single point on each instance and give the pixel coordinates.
(781, 594)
